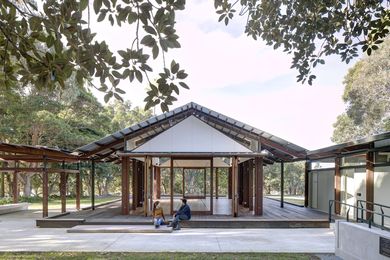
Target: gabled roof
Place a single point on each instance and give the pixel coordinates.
(191, 135)
(105, 148)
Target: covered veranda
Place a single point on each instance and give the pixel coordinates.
(184, 153)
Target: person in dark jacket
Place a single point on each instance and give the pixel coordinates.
(184, 213)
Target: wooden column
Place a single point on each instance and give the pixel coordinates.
(63, 189)
(140, 182)
(259, 179)
(239, 183)
(134, 183)
(235, 187)
(125, 186)
(45, 189)
(93, 185)
(216, 183)
(245, 184)
(78, 187)
(2, 194)
(158, 182)
(307, 169)
(281, 184)
(230, 183)
(15, 191)
(250, 183)
(211, 186)
(171, 186)
(146, 182)
(337, 185)
(369, 183)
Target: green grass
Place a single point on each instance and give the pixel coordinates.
(297, 200)
(55, 202)
(131, 255)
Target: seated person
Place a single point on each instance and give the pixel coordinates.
(184, 213)
(158, 214)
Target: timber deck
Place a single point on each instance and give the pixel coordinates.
(273, 217)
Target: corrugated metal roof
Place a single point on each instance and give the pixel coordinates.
(242, 127)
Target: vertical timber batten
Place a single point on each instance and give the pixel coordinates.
(250, 183)
(158, 182)
(78, 187)
(230, 169)
(134, 182)
(2, 185)
(216, 183)
(259, 179)
(211, 185)
(337, 184)
(125, 185)
(171, 187)
(63, 188)
(145, 195)
(307, 169)
(281, 184)
(235, 187)
(93, 184)
(45, 189)
(15, 192)
(369, 183)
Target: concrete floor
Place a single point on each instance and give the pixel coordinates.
(20, 234)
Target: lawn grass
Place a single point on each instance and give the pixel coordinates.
(147, 256)
(71, 202)
(297, 200)
(55, 201)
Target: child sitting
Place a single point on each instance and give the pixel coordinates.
(158, 214)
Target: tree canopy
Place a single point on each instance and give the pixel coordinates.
(367, 96)
(46, 45)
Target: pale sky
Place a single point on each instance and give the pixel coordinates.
(244, 79)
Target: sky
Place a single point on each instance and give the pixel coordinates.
(234, 75)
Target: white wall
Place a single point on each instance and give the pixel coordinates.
(382, 191)
(321, 189)
(357, 241)
(353, 188)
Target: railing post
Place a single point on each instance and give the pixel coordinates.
(330, 210)
(383, 218)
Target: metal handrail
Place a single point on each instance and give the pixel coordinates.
(381, 206)
(370, 221)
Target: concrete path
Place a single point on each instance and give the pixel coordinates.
(18, 233)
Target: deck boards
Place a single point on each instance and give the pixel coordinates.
(272, 211)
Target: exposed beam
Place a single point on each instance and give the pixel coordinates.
(34, 158)
(36, 169)
(20, 149)
(280, 147)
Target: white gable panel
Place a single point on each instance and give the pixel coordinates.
(192, 135)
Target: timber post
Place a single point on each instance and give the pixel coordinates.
(259, 180)
(15, 191)
(281, 184)
(125, 185)
(337, 185)
(307, 169)
(78, 187)
(63, 188)
(45, 189)
(369, 184)
(93, 184)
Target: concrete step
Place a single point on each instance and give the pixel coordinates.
(119, 229)
(196, 223)
(58, 222)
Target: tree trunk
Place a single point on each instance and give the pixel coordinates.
(26, 184)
